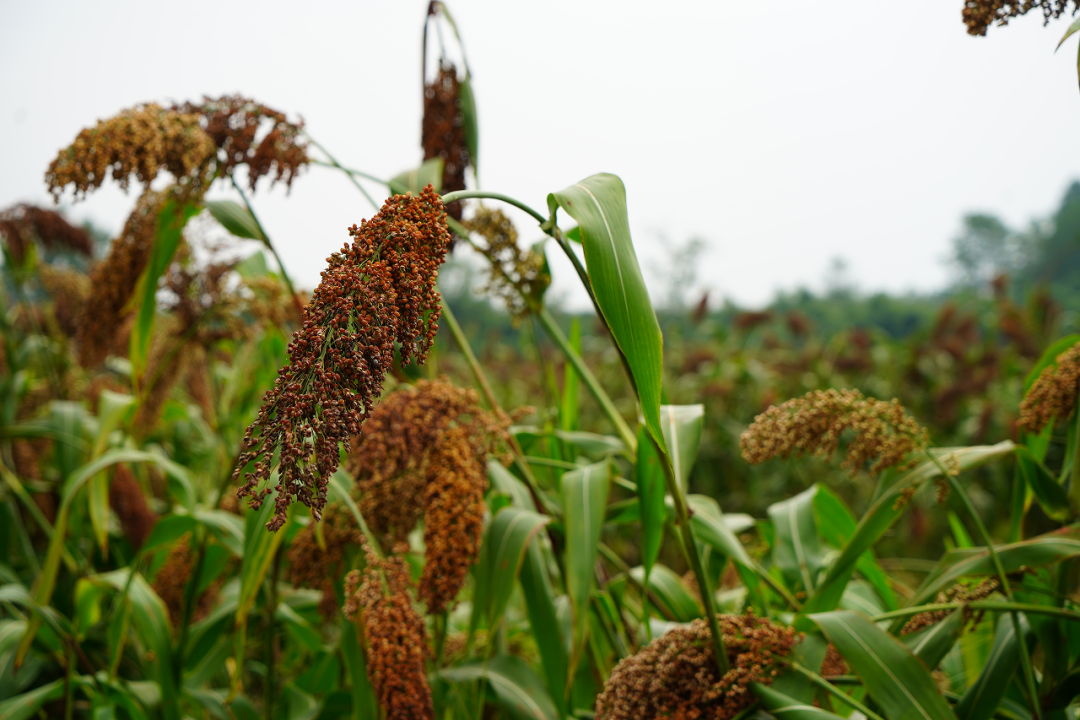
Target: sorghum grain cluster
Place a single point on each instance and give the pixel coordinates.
(443, 132)
(676, 676)
(519, 278)
(981, 14)
(395, 635)
(23, 224)
(423, 451)
(1053, 394)
(376, 292)
(814, 423)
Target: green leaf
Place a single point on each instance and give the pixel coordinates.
(226, 527)
(521, 692)
(1050, 494)
(883, 513)
(982, 699)
(25, 706)
(1069, 33)
(671, 591)
(506, 483)
(505, 541)
(413, 181)
(584, 493)
(365, 704)
(783, 707)
(299, 704)
(260, 545)
(681, 425)
(896, 679)
(1042, 550)
(544, 620)
(66, 425)
(932, 644)
(237, 219)
(837, 524)
(796, 550)
(170, 227)
(598, 203)
(649, 477)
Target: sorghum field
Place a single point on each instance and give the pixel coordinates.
(224, 496)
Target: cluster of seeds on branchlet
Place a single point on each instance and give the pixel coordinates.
(114, 280)
(395, 634)
(314, 567)
(376, 292)
(958, 593)
(23, 224)
(676, 676)
(981, 14)
(814, 424)
(171, 583)
(69, 290)
(142, 142)
(518, 277)
(1053, 394)
(423, 451)
(127, 500)
(443, 132)
(234, 122)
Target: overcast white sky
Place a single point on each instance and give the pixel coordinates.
(784, 133)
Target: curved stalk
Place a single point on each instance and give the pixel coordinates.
(607, 406)
(273, 251)
(982, 605)
(1025, 656)
(828, 687)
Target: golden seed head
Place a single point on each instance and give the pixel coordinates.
(518, 277)
(1053, 394)
(676, 674)
(981, 14)
(814, 423)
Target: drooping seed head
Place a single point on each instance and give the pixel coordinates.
(981, 14)
(23, 224)
(518, 277)
(443, 132)
(1053, 394)
(814, 424)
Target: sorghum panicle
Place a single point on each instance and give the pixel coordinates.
(423, 451)
(443, 132)
(233, 122)
(70, 290)
(814, 423)
(127, 500)
(1053, 394)
(517, 277)
(23, 224)
(396, 637)
(312, 567)
(981, 14)
(114, 280)
(676, 674)
(142, 142)
(377, 292)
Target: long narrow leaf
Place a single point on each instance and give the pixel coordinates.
(584, 493)
(521, 693)
(896, 679)
(982, 699)
(796, 549)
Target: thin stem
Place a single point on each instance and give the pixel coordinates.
(489, 396)
(350, 173)
(485, 195)
(843, 697)
(270, 246)
(1003, 578)
(646, 591)
(607, 406)
(682, 514)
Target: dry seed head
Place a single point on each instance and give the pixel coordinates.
(376, 293)
(958, 593)
(981, 14)
(127, 500)
(443, 132)
(814, 423)
(423, 451)
(142, 142)
(70, 290)
(311, 566)
(1053, 395)
(396, 638)
(114, 280)
(23, 224)
(233, 123)
(675, 676)
(171, 580)
(167, 362)
(518, 277)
